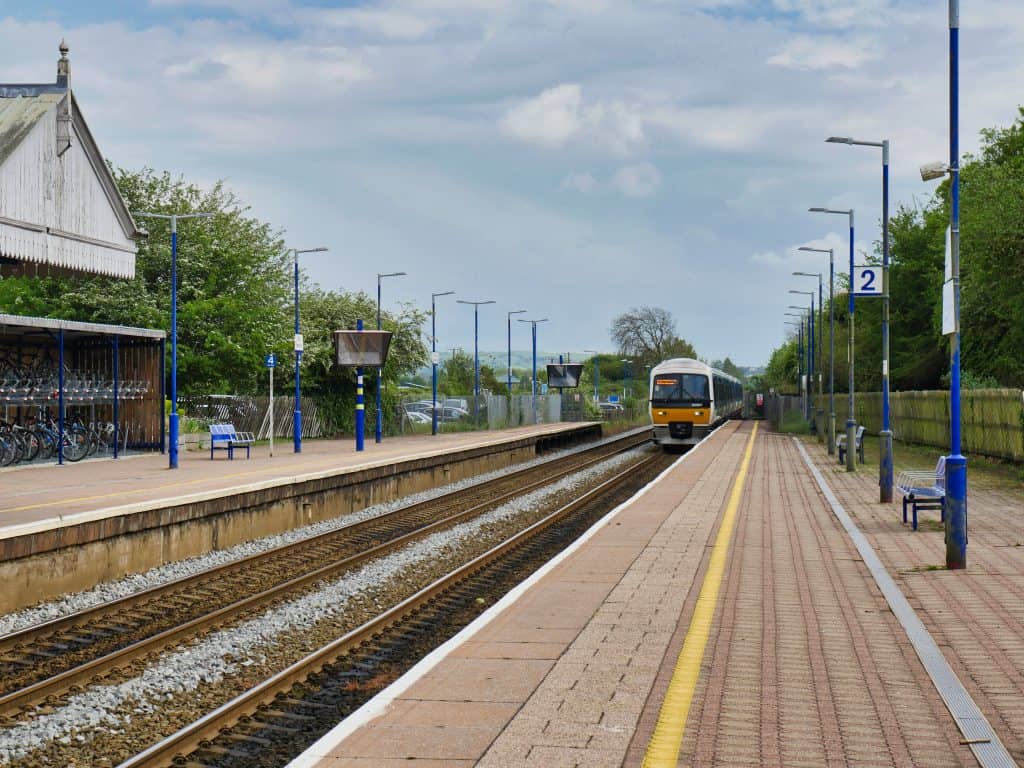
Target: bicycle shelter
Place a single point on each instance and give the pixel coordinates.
(101, 374)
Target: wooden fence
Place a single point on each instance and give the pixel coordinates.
(992, 419)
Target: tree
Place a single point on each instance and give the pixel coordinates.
(456, 376)
(648, 335)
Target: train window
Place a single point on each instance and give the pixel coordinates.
(681, 389)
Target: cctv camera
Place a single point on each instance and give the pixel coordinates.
(933, 171)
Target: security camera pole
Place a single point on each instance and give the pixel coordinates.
(851, 419)
(885, 436)
(956, 462)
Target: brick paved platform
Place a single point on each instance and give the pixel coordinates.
(805, 664)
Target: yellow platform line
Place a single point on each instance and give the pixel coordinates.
(663, 748)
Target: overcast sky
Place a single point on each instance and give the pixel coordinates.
(570, 157)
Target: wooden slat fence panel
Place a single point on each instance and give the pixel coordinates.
(993, 419)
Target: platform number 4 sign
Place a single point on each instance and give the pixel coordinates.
(867, 281)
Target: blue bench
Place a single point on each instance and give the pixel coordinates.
(858, 439)
(225, 437)
(924, 489)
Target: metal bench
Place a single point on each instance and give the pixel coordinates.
(924, 489)
(859, 440)
(225, 437)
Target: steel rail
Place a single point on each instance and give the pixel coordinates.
(205, 728)
(107, 664)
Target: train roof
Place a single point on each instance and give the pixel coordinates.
(688, 364)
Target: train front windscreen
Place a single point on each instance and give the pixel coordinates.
(682, 390)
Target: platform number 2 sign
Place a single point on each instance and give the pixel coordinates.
(867, 281)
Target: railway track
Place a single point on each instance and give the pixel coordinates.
(275, 720)
(46, 661)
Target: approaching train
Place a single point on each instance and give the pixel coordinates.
(689, 398)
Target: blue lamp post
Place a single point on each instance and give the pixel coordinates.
(831, 437)
(533, 376)
(798, 329)
(597, 373)
(378, 431)
(819, 411)
(885, 471)
(810, 359)
(509, 318)
(433, 357)
(476, 355)
(851, 418)
(956, 462)
(297, 415)
(172, 438)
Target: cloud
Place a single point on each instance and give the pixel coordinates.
(581, 182)
(825, 52)
(549, 120)
(637, 181)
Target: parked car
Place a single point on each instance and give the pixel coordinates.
(422, 406)
(610, 410)
(417, 417)
(457, 402)
(455, 414)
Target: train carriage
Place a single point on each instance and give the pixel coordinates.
(689, 398)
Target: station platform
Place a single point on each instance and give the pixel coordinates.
(754, 606)
(65, 528)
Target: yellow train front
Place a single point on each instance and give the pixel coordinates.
(689, 399)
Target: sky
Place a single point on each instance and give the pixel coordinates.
(574, 158)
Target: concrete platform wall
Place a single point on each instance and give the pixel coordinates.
(46, 564)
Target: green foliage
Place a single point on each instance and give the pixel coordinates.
(794, 423)
(781, 372)
(455, 376)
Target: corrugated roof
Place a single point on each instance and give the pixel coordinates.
(19, 115)
(22, 323)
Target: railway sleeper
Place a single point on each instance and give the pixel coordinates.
(246, 738)
(280, 714)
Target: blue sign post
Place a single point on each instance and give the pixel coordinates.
(270, 362)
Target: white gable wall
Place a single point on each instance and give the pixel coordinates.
(71, 223)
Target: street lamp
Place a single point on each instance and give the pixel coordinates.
(627, 370)
(378, 430)
(433, 358)
(800, 352)
(533, 381)
(597, 374)
(851, 419)
(476, 355)
(820, 413)
(810, 355)
(172, 438)
(508, 317)
(831, 344)
(297, 414)
(956, 462)
(885, 470)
